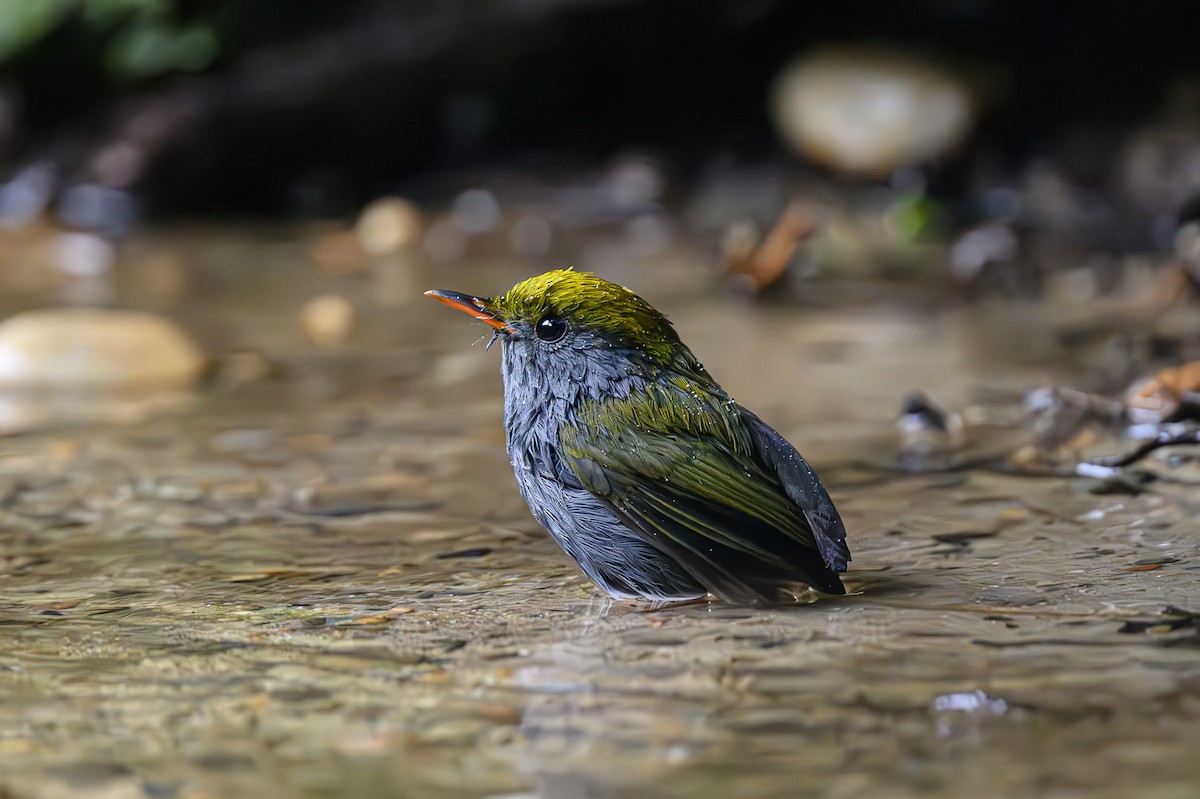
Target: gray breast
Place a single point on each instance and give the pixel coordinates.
(610, 554)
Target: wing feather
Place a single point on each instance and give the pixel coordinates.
(686, 468)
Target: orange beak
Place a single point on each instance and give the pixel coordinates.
(477, 307)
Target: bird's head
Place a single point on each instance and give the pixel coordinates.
(562, 319)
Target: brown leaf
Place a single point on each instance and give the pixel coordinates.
(1158, 399)
(767, 262)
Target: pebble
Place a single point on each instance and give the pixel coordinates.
(240, 368)
(83, 255)
(92, 348)
(85, 261)
(388, 225)
(91, 207)
(328, 320)
(989, 243)
(476, 211)
(24, 198)
(633, 185)
(869, 112)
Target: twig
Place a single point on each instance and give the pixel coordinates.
(1164, 439)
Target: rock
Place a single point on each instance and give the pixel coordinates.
(476, 211)
(239, 368)
(26, 197)
(85, 261)
(1066, 418)
(99, 208)
(83, 255)
(869, 112)
(91, 348)
(991, 243)
(328, 320)
(633, 185)
(388, 225)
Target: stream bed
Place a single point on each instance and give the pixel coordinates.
(321, 582)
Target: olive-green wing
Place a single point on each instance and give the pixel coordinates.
(678, 464)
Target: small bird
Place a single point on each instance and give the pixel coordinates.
(638, 463)
(928, 434)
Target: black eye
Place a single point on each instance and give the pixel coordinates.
(551, 329)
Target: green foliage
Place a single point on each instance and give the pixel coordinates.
(105, 14)
(24, 22)
(912, 216)
(141, 38)
(152, 47)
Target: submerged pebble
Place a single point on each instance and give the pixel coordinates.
(388, 225)
(328, 320)
(91, 348)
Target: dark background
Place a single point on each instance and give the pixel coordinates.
(302, 109)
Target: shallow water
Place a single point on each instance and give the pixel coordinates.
(324, 583)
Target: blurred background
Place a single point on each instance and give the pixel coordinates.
(991, 149)
(283, 179)
(1080, 117)
(257, 530)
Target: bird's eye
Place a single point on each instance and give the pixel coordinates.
(551, 329)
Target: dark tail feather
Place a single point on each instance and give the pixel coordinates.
(804, 488)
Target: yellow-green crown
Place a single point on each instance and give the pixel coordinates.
(589, 302)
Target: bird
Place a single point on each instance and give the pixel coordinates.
(645, 471)
(929, 435)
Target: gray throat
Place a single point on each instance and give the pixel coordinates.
(541, 392)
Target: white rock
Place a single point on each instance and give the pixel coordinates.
(388, 225)
(476, 211)
(83, 255)
(328, 320)
(980, 246)
(869, 112)
(91, 348)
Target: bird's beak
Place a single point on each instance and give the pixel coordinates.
(478, 307)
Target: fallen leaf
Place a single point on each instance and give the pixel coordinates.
(1163, 397)
(767, 262)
